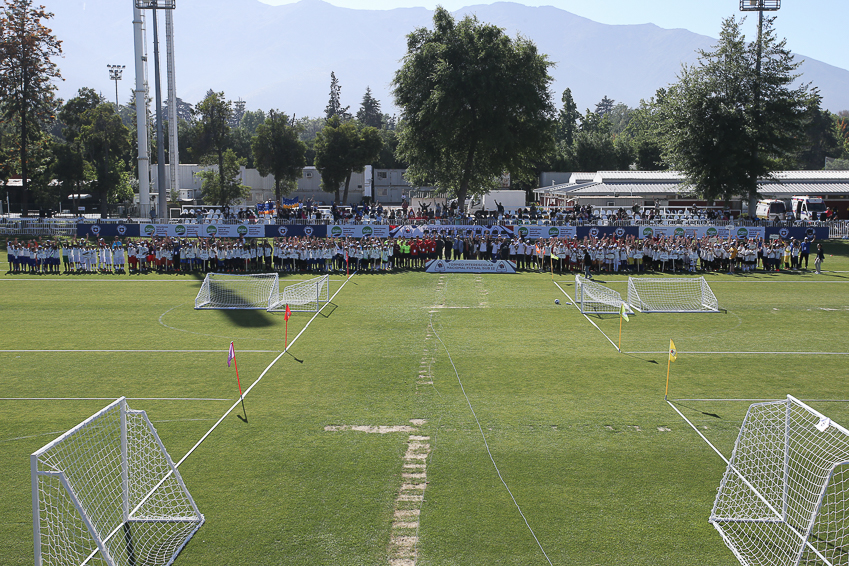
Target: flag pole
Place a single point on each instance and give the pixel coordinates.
(238, 381)
(620, 331)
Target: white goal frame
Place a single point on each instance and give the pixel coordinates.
(306, 296)
(232, 291)
(784, 497)
(593, 297)
(671, 294)
(107, 493)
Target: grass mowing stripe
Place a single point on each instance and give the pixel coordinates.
(138, 351)
(586, 317)
(753, 353)
(700, 434)
(769, 400)
(110, 399)
(486, 444)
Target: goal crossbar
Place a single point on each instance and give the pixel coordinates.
(672, 294)
(232, 291)
(594, 297)
(784, 497)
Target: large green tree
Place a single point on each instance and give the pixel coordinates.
(341, 149)
(223, 187)
(475, 104)
(27, 72)
(278, 151)
(213, 136)
(106, 143)
(369, 113)
(728, 126)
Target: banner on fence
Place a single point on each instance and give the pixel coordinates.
(470, 266)
(462, 230)
(698, 232)
(358, 231)
(295, 231)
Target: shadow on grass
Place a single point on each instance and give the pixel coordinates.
(639, 358)
(714, 415)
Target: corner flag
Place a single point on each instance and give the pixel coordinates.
(288, 314)
(622, 312)
(231, 355)
(673, 353)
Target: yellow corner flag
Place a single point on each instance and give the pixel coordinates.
(622, 312)
(673, 355)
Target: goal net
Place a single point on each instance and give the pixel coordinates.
(784, 498)
(106, 493)
(681, 294)
(594, 297)
(307, 296)
(228, 291)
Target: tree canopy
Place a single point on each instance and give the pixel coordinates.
(278, 151)
(475, 104)
(342, 148)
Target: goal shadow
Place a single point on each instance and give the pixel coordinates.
(243, 318)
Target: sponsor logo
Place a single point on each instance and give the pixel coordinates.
(180, 230)
(620, 232)
(308, 230)
(594, 232)
(367, 231)
(282, 230)
(149, 229)
(742, 233)
(95, 229)
(501, 266)
(336, 231)
(211, 230)
(711, 231)
(554, 232)
(648, 232)
(810, 232)
(242, 229)
(523, 232)
(122, 229)
(784, 232)
(679, 231)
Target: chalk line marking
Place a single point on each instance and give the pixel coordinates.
(138, 351)
(574, 304)
(486, 444)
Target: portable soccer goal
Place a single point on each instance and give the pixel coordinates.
(307, 296)
(784, 498)
(229, 291)
(107, 493)
(680, 294)
(594, 297)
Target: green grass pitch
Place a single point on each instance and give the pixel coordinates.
(602, 468)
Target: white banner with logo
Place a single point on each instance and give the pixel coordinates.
(412, 231)
(536, 232)
(358, 231)
(698, 232)
(470, 266)
(203, 230)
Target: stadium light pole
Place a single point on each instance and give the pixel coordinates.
(116, 74)
(155, 5)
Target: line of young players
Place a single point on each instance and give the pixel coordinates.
(74, 257)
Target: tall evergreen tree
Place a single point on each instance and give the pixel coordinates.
(334, 105)
(567, 119)
(604, 106)
(27, 72)
(369, 112)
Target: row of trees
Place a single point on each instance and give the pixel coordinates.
(474, 104)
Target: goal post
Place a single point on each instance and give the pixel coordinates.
(306, 296)
(230, 291)
(594, 297)
(107, 493)
(671, 294)
(784, 497)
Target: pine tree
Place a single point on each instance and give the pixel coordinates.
(369, 113)
(605, 106)
(334, 105)
(567, 118)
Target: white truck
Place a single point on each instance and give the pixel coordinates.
(808, 208)
(510, 200)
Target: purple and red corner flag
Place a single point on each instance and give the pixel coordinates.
(285, 317)
(231, 355)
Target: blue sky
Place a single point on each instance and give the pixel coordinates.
(815, 28)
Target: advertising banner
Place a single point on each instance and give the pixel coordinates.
(798, 232)
(412, 231)
(698, 232)
(606, 231)
(108, 230)
(295, 231)
(536, 232)
(359, 231)
(470, 266)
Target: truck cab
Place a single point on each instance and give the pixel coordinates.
(808, 208)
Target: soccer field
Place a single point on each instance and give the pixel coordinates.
(423, 419)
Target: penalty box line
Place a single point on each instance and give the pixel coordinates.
(254, 384)
(574, 304)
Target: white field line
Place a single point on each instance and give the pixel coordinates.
(711, 282)
(767, 400)
(752, 353)
(575, 304)
(139, 351)
(486, 444)
(111, 399)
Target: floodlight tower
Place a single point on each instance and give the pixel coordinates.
(760, 6)
(155, 5)
(115, 74)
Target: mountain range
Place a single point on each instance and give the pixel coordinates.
(282, 56)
